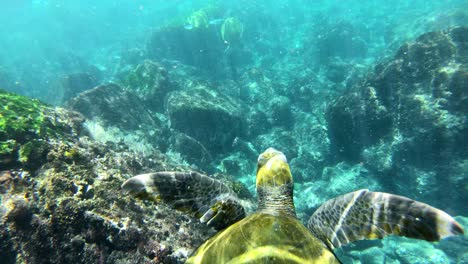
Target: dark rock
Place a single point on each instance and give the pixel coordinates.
(33, 154)
(209, 117)
(149, 81)
(114, 106)
(70, 85)
(407, 121)
(459, 92)
(350, 129)
(279, 111)
(20, 214)
(201, 47)
(257, 123)
(231, 166)
(337, 71)
(192, 151)
(412, 94)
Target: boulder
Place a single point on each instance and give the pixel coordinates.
(70, 85)
(418, 97)
(211, 118)
(114, 106)
(149, 81)
(192, 151)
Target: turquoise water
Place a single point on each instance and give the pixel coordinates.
(52, 38)
(357, 94)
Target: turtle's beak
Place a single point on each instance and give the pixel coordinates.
(273, 169)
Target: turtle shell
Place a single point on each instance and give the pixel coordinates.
(264, 238)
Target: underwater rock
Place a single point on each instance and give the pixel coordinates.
(33, 154)
(407, 120)
(149, 81)
(192, 151)
(279, 112)
(26, 125)
(346, 124)
(410, 96)
(257, 122)
(211, 118)
(198, 44)
(69, 209)
(70, 85)
(114, 106)
(183, 75)
(337, 71)
(73, 84)
(307, 165)
(61, 204)
(132, 56)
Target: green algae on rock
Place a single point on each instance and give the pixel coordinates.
(24, 125)
(69, 203)
(149, 81)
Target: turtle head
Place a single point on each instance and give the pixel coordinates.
(273, 169)
(274, 183)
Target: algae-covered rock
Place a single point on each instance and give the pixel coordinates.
(280, 139)
(209, 117)
(112, 105)
(149, 81)
(409, 97)
(408, 120)
(33, 154)
(71, 210)
(27, 124)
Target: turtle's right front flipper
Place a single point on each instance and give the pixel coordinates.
(368, 215)
(204, 197)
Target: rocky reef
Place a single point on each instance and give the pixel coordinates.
(60, 195)
(409, 115)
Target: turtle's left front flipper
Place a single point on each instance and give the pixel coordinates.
(199, 195)
(370, 215)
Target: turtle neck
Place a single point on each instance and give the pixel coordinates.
(276, 199)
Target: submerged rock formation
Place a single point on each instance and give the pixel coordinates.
(209, 117)
(60, 195)
(410, 114)
(114, 106)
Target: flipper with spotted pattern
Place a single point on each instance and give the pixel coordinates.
(369, 215)
(202, 196)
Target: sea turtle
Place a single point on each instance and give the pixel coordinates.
(273, 234)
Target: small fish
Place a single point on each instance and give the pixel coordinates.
(188, 26)
(216, 21)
